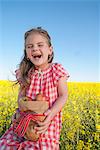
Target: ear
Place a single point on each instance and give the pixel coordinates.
(51, 50)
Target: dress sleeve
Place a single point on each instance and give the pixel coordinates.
(58, 72)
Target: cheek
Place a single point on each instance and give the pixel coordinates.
(29, 53)
(46, 57)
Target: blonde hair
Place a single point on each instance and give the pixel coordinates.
(26, 65)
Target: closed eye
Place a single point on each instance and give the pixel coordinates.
(29, 46)
(40, 45)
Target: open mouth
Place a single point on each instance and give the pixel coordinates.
(37, 56)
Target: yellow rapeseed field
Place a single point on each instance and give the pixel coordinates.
(80, 119)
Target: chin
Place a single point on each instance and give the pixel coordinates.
(38, 64)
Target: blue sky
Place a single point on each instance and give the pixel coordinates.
(72, 24)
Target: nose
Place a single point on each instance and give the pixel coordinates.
(35, 48)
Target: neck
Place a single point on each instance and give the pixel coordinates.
(43, 67)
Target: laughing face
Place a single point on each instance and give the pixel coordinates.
(38, 50)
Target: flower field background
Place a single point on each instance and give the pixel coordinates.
(80, 122)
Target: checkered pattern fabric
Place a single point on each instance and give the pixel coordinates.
(46, 83)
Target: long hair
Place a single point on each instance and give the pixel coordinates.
(26, 65)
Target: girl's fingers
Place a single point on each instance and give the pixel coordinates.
(43, 126)
(41, 129)
(46, 122)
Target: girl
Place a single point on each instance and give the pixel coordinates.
(38, 74)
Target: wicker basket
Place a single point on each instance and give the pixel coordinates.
(35, 109)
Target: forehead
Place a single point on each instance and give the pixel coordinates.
(35, 38)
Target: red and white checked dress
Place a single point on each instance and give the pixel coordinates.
(46, 82)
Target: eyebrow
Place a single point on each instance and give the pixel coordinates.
(40, 42)
(36, 43)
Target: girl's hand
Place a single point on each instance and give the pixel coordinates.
(21, 105)
(43, 126)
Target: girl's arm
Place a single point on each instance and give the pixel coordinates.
(57, 106)
(63, 95)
